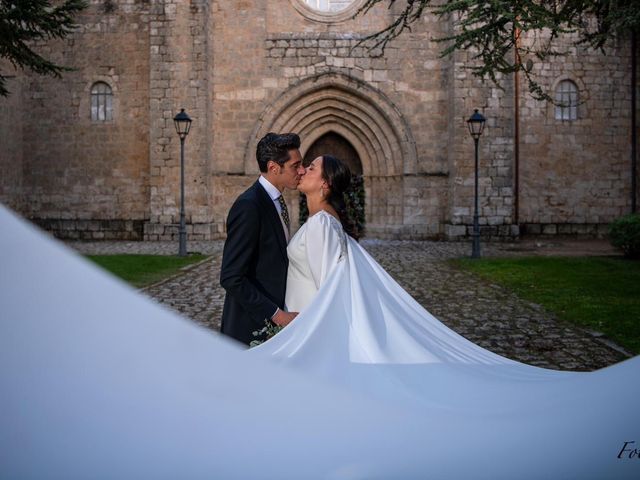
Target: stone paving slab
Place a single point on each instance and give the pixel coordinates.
(486, 314)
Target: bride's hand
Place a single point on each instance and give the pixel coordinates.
(283, 318)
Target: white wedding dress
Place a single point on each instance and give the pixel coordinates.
(359, 329)
(346, 298)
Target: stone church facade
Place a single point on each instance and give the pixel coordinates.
(95, 155)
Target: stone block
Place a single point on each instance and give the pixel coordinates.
(565, 229)
(454, 231)
(533, 229)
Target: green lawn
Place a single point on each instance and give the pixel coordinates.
(142, 270)
(599, 293)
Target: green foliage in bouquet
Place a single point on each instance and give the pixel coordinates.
(624, 233)
(269, 330)
(354, 199)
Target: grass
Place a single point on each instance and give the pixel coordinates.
(599, 293)
(143, 270)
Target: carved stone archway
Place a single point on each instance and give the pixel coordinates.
(365, 117)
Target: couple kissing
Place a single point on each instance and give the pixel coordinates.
(255, 268)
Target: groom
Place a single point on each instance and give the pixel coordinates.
(254, 259)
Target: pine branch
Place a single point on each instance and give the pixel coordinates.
(24, 23)
(488, 29)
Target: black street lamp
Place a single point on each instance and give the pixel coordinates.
(476, 125)
(183, 124)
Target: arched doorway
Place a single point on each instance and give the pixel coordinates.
(364, 117)
(336, 145)
(333, 144)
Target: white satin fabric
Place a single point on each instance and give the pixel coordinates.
(313, 252)
(359, 329)
(345, 296)
(98, 381)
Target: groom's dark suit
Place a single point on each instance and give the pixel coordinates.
(254, 264)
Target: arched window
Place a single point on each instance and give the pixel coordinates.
(101, 102)
(566, 101)
(328, 5)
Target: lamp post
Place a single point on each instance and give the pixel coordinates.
(476, 125)
(183, 124)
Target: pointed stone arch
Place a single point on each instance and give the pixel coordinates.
(360, 113)
(366, 118)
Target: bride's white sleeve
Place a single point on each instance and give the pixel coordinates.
(324, 247)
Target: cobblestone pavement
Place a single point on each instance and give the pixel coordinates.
(485, 313)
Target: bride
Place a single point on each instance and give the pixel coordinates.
(347, 299)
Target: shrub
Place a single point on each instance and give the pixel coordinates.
(355, 203)
(624, 233)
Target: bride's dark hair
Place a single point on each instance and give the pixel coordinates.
(338, 177)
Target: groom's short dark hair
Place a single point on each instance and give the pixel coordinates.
(275, 147)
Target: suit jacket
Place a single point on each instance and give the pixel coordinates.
(254, 264)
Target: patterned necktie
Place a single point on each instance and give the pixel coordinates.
(284, 212)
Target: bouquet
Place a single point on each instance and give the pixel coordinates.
(269, 330)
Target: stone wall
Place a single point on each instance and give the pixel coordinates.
(246, 67)
(76, 169)
(575, 175)
(425, 205)
(495, 155)
(180, 68)
(11, 154)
